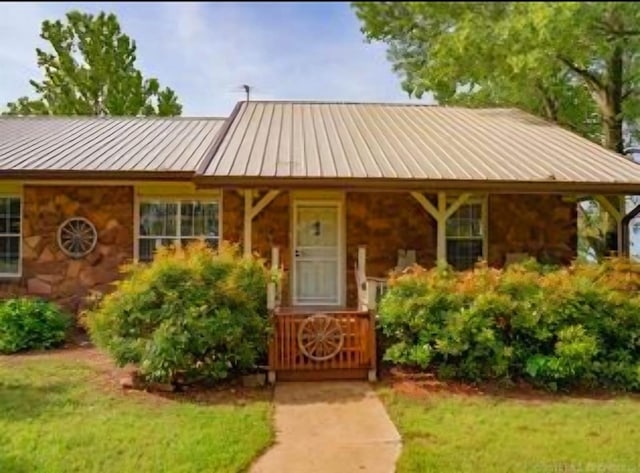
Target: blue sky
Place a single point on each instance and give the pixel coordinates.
(205, 51)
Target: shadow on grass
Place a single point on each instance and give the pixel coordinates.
(21, 401)
(229, 395)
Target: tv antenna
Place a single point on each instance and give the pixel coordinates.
(247, 90)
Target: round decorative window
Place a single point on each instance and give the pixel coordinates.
(77, 237)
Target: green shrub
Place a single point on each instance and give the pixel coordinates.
(556, 327)
(193, 314)
(27, 324)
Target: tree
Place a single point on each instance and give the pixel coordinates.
(90, 70)
(576, 63)
(594, 225)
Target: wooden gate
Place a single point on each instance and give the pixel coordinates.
(323, 345)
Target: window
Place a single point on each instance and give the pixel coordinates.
(165, 222)
(10, 236)
(465, 236)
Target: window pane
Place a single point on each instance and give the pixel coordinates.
(211, 220)
(14, 215)
(466, 222)
(158, 219)
(148, 246)
(199, 219)
(463, 254)
(9, 254)
(187, 210)
(9, 215)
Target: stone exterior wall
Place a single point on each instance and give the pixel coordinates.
(232, 216)
(46, 270)
(544, 226)
(272, 227)
(386, 223)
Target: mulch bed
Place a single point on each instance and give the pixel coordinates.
(421, 384)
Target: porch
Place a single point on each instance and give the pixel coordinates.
(332, 251)
(317, 234)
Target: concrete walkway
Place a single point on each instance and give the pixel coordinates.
(330, 427)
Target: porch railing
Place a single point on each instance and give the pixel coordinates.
(274, 286)
(352, 354)
(370, 289)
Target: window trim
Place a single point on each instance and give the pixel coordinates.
(173, 199)
(483, 200)
(20, 198)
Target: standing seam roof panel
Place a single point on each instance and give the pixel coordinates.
(109, 144)
(497, 157)
(391, 141)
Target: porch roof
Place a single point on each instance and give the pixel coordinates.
(410, 145)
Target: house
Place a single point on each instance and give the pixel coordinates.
(335, 194)
(325, 188)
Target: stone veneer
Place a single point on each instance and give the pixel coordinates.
(385, 223)
(270, 228)
(46, 270)
(542, 225)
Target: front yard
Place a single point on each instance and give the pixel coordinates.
(445, 432)
(64, 412)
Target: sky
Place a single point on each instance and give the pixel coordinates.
(206, 51)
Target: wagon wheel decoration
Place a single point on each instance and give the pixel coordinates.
(320, 337)
(77, 237)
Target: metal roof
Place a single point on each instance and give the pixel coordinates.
(105, 144)
(410, 142)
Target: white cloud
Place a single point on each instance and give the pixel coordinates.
(206, 51)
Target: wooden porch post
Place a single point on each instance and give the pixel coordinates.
(275, 266)
(622, 208)
(248, 204)
(441, 214)
(251, 211)
(441, 242)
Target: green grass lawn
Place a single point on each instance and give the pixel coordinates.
(444, 432)
(62, 415)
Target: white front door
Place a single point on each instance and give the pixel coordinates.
(316, 253)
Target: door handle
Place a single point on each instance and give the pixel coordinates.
(297, 253)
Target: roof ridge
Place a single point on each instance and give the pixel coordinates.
(388, 104)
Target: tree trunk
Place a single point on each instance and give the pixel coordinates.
(612, 103)
(612, 132)
(611, 107)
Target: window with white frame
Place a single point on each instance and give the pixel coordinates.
(465, 236)
(176, 222)
(10, 230)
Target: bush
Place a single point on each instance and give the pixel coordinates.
(28, 324)
(557, 327)
(193, 314)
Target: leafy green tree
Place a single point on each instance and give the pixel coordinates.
(593, 226)
(90, 70)
(577, 63)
